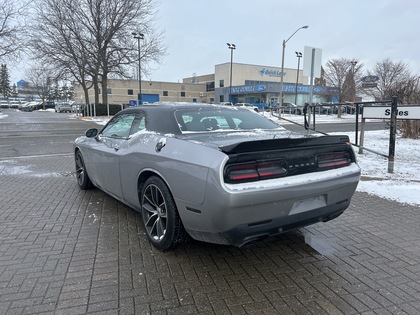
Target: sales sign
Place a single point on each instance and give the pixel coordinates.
(384, 112)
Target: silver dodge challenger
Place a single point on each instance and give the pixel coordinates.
(217, 174)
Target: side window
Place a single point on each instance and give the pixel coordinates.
(119, 127)
(237, 121)
(139, 124)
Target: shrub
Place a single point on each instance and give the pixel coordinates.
(410, 129)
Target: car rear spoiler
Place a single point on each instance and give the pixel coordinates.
(289, 143)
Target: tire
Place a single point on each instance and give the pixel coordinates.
(82, 176)
(161, 219)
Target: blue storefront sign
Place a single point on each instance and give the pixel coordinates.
(287, 88)
(247, 89)
(291, 88)
(255, 93)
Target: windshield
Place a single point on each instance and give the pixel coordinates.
(193, 120)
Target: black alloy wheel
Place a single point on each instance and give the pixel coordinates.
(160, 216)
(83, 179)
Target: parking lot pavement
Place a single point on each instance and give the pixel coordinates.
(66, 251)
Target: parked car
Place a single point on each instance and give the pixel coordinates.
(77, 108)
(248, 106)
(218, 174)
(292, 108)
(30, 106)
(324, 109)
(49, 105)
(336, 108)
(63, 107)
(287, 108)
(350, 108)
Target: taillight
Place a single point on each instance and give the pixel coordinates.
(255, 171)
(333, 160)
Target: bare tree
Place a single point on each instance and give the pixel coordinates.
(11, 28)
(91, 40)
(42, 79)
(343, 75)
(394, 78)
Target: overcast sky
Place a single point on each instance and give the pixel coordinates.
(196, 33)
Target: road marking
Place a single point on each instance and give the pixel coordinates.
(35, 156)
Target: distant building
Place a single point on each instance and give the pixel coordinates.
(254, 84)
(22, 84)
(126, 92)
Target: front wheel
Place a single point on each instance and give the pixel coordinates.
(160, 216)
(82, 176)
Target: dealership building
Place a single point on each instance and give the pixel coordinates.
(256, 84)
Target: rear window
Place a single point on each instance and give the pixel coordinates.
(203, 120)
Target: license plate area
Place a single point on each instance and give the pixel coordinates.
(308, 204)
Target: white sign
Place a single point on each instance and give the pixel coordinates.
(307, 61)
(384, 112)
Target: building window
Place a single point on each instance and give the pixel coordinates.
(108, 91)
(165, 93)
(194, 100)
(221, 98)
(222, 83)
(182, 94)
(130, 92)
(209, 86)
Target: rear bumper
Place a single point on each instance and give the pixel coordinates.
(240, 215)
(248, 233)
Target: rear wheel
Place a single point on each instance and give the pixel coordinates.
(160, 216)
(83, 179)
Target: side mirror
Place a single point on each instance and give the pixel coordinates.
(91, 133)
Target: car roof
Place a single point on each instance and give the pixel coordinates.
(163, 117)
(171, 107)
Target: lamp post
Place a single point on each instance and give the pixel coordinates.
(231, 47)
(139, 36)
(353, 65)
(282, 63)
(298, 55)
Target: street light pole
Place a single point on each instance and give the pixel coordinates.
(282, 64)
(298, 55)
(231, 47)
(139, 36)
(353, 65)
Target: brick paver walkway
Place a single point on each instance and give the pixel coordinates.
(66, 251)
